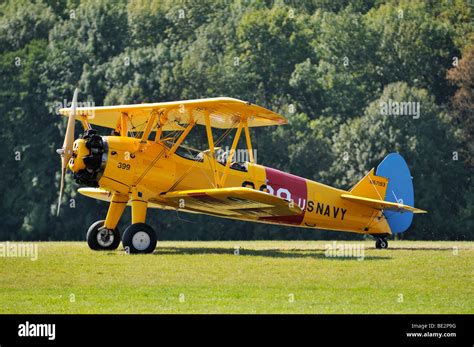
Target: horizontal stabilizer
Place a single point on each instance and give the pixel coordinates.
(381, 204)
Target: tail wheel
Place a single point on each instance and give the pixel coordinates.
(139, 238)
(102, 239)
(381, 243)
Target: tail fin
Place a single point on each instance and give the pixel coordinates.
(389, 188)
(371, 186)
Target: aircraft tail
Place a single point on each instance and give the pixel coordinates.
(389, 188)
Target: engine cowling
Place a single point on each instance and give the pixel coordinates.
(89, 158)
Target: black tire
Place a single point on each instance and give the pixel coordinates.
(101, 239)
(139, 238)
(381, 243)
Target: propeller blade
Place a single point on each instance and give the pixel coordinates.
(66, 150)
(69, 136)
(61, 189)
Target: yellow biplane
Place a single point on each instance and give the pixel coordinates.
(144, 164)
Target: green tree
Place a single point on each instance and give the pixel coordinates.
(462, 104)
(271, 43)
(320, 63)
(340, 77)
(22, 21)
(414, 46)
(26, 142)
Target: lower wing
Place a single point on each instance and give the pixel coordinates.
(232, 202)
(238, 202)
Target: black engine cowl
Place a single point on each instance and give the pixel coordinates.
(95, 161)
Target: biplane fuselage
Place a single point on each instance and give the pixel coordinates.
(321, 205)
(129, 168)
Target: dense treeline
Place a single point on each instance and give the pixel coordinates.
(328, 66)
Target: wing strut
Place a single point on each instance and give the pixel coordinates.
(212, 151)
(232, 152)
(149, 126)
(182, 137)
(249, 143)
(123, 124)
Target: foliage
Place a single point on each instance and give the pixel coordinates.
(325, 65)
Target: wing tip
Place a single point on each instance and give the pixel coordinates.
(419, 211)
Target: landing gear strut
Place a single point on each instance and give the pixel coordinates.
(381, 243)
(101, 239)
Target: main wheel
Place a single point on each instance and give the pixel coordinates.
(139, 238)
(381, 243)
(102, 239)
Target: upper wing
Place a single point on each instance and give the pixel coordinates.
(381, 204)
(224, 113)
(236, 202)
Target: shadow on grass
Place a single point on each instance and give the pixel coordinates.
(420, 248)
(273, 253)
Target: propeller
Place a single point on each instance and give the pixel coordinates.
(66, 151)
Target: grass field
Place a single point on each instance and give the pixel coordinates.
(266, 277)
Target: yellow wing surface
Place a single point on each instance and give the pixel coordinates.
(224, 113)
(104, 195)
(236, 202)
(381, 204)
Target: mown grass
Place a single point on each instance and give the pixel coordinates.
(266, 277)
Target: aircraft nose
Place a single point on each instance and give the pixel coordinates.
(79, 152)
(90, 158)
